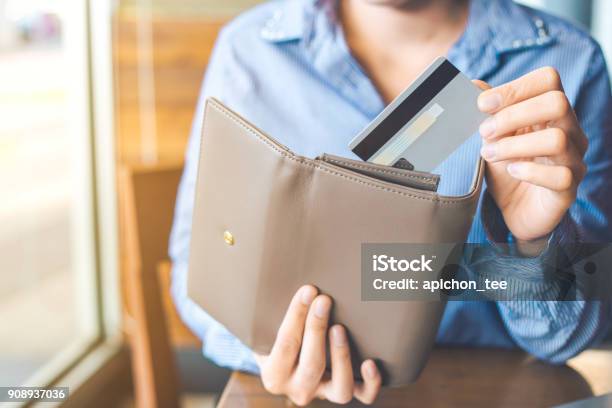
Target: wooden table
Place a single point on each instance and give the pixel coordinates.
(463, 377)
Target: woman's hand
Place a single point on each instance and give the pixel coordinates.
(296, 365)
(534, 147)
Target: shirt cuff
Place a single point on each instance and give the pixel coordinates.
(542, 277)
(564, 237)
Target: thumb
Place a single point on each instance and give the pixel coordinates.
(260, 359)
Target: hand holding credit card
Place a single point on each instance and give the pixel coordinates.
(427, 122)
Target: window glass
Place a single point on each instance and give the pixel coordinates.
(47, 304)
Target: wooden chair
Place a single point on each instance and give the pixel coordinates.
(152, 323)
(147, 194)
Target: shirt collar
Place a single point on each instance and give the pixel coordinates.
(293, 20)
(313, 24)
(527, 30)
(287, 22)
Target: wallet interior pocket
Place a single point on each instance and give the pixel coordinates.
(403, 177)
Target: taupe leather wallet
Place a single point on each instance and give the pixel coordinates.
(267, 221)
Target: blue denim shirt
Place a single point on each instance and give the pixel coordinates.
(286, 67)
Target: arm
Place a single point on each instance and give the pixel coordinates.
(554, 331)
(218, 344)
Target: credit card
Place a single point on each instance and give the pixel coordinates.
(426, 123)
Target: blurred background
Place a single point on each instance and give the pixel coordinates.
(87, 90)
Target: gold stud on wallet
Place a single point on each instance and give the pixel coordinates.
(273, 221)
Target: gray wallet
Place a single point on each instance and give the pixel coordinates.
(267, 221)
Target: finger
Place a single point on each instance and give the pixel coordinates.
(286, 348)
(557, 178)
(367, 391)
(551, 142)
(528, 86)
(311, 364)
(552, 106)
(481, 84)
(340, 388)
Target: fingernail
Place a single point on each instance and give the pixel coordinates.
(487, 128)
(307, 295)
(321, 308)
(489, 101)
(370, 369)
(514, 169)
(488, 151)
(339, 336)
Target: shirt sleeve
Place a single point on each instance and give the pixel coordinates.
(218, 344)
(557, 330)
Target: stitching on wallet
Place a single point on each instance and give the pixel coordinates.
(424, 179)
(238, 121)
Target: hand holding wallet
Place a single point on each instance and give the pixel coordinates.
(266, 221)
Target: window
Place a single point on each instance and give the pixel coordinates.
(49, 303)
